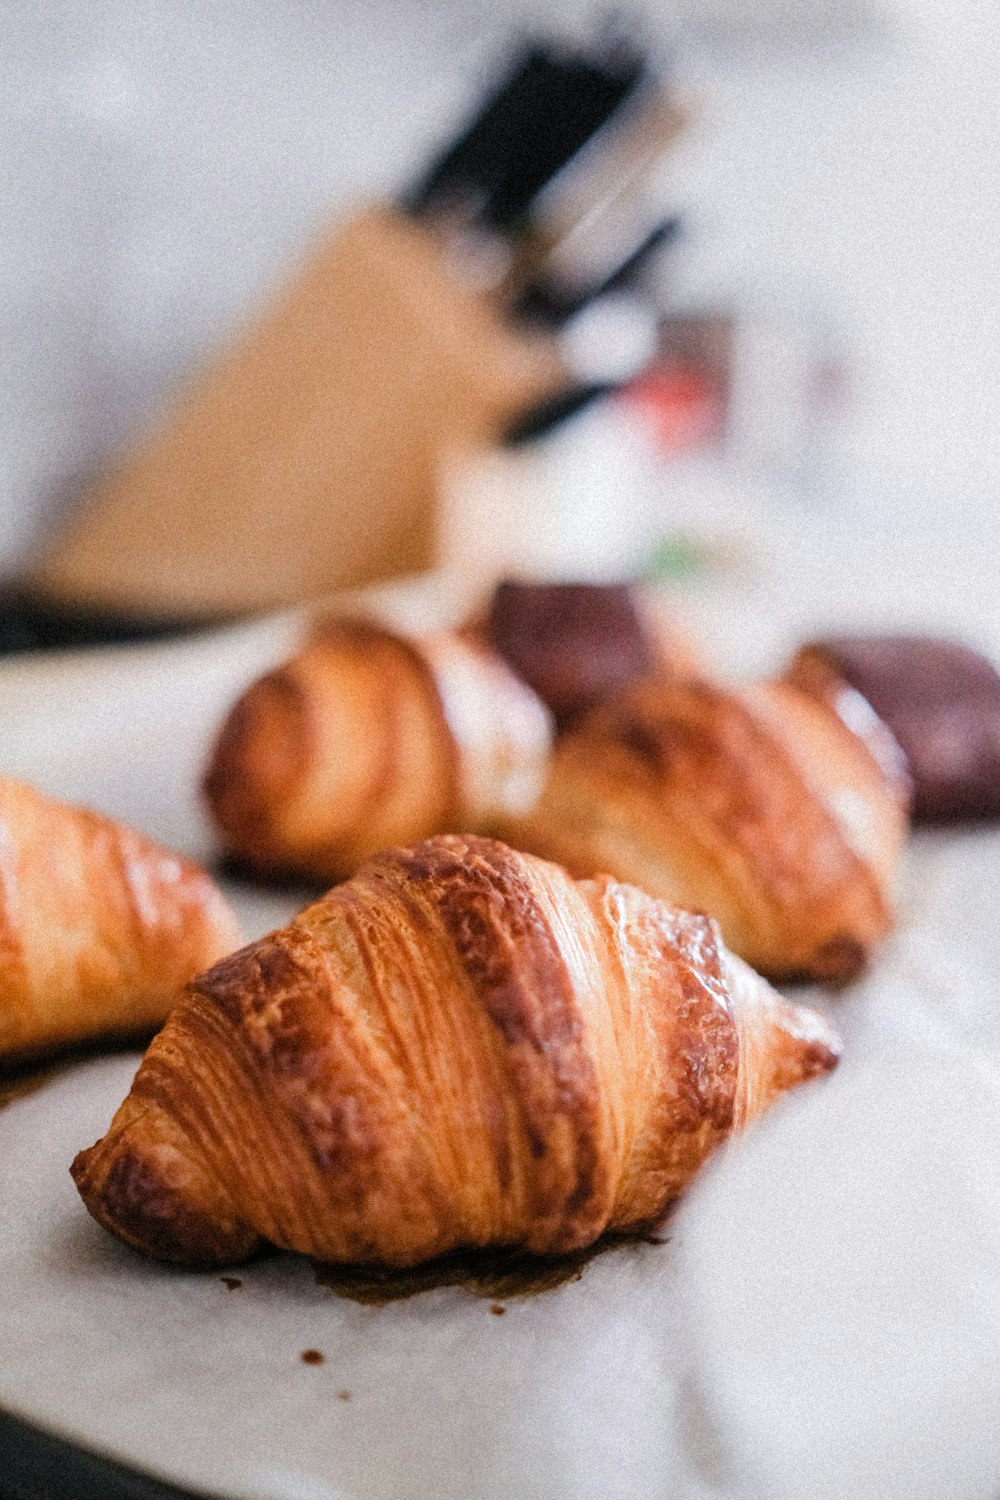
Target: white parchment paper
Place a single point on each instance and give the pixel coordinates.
(439, 1396)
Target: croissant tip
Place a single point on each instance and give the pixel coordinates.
(134, 1196)
(821, 1055)
(258, 757)
(817, 1046)
(78, 1166)
(841, 960)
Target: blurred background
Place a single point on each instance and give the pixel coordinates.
(834, 189)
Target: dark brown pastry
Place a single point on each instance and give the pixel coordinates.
(940, 699)
(577, 644)
(460, 1047)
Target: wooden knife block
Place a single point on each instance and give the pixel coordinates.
(307, 457)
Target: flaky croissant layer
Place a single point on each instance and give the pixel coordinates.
(461, 1046)
(99, 926)
(364, 739)
(759, 805)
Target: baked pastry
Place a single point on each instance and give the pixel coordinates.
(460, 1047)
(577, 644)
(940, 699)
(99, 927)
(758, 805)
(365, 739)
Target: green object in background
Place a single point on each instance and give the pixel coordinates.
(677, 555)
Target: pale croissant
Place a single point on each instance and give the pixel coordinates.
(366, 739)
(460, 1047)
(760, 805)
(98, 926)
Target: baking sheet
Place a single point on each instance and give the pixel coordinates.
(830, 1288)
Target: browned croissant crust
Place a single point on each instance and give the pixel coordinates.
(757, 805)
(99, 927)
(460, 1047)
(365, 739)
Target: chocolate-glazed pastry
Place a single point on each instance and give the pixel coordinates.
(940, 699)
(577, 644)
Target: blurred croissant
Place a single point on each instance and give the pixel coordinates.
(460, 1047)
(761, 806)
(99, 927)
(365, 739)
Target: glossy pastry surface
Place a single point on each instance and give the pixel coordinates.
(460, 1047)
(99, 927)
(758, 806)
(365, 739)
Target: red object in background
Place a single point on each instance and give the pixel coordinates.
(686, 406)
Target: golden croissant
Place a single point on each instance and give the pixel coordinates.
(99, 927)
(760, 805)
(366, 739)
(460, 1047)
